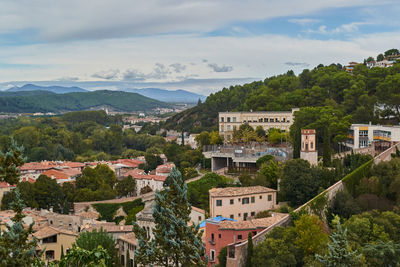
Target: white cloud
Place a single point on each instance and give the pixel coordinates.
(304, 21)
(111, 74)
(77, 19)
(178, 67)
(217, 68)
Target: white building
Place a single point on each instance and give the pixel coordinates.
(362, 135)
(231, 121)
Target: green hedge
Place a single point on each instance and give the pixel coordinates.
(107, 210)
(353, 179)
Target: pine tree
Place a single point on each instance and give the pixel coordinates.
(339, 254)
(249, 250)
(174, 243)
(15, 248)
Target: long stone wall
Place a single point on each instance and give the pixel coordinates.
(237, 252)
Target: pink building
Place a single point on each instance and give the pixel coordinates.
(221, 234)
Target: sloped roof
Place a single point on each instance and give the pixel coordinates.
(239, 191)
(252, 224)
(48, 231)
(129, 238)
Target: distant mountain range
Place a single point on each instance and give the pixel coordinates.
(176, 96)
(54, 89)
(45, 101)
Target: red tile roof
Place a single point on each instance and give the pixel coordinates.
(54, 174)
(132, 163)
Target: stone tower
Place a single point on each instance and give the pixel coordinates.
(308, 146)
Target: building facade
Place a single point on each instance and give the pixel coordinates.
(231, 121)
(223, 233)
(239, 203)
(127, 245)
(51, 240)
(308, 150)
(362, 135)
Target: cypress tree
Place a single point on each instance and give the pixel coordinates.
(249, 250)
(128, 259)
(62, 252)
(174, 243)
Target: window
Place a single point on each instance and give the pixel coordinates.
(49, 254)
(231, 201)
(234, 127)
(245, 200)
(271, 120)
(219, 235)
(269, 197)
(239, 199)
(276, 120)
(265, 119)
(199, 218)
(233, 119)
(219, 202)
(50, 239)
(253, 199)
(228, 127)
(260, 120)
(239, 237)
(239, 214)
(122, 260)
(283, 119)
(231, 216)
(228, 119)
(222, 128)
(212, 255)
(311, 145)
(253, 214)
(222, 119)
(260, 197)
(245, 216)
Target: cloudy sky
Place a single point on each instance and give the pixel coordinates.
(197, 45)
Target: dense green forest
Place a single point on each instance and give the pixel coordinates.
(88, 136)
(365, 95)
(41, 101)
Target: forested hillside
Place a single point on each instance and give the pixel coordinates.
(365, 95)
(32, 102)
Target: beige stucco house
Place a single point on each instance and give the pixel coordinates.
(51, 240)
(239, 203)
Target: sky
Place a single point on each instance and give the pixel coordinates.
(196, 45)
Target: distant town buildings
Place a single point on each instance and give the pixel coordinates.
(231, 121)
(239, 203)
(387, 62)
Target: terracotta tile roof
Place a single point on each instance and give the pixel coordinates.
(110, 228)
(50, 231)
(73, 164)
(133, 172)
(252, 224)
(5, 185)
(55, 174)
(131, 163)
(89, 215)
(44, 165)
(239, 191)
(129, 238)
(25, 179)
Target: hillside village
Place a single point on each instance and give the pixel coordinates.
(254, 183)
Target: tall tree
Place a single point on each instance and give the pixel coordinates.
(175, 243)
(16, 249)
(92, 240)
(249, 256)
(9, 163)
(339, 253)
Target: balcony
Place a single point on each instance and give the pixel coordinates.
(211, 241)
